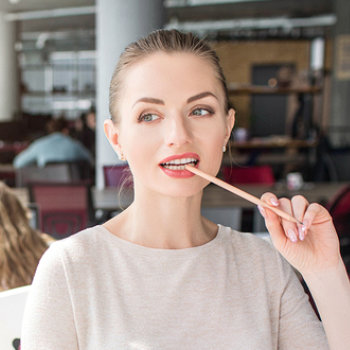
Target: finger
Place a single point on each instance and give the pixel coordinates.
(290, 228)
(272, 220)
(270, 198)
(299, 207)
(315, 210)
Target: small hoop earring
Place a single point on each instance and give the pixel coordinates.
(224, 148)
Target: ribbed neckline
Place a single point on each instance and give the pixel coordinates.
(137, 248)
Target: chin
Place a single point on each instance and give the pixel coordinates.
(184, 188)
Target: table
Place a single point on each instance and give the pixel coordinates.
(7, 172)
(109, 198)
(214, 196)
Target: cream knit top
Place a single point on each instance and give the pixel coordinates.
(95, 291)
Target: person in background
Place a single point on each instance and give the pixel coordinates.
(85, 130)
(161, 276)
(21, 246)
(56, 147)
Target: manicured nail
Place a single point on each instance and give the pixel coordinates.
(274, 202)
(292, 235)
(261, 210)
(302, 231)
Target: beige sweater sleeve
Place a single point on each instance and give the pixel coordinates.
(48, 322)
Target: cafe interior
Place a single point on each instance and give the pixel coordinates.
(287, 65)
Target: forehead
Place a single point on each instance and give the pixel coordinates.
(170, 74)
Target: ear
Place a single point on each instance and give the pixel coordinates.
(112, 134)
(230, 122)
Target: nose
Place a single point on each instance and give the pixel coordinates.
(178, 132)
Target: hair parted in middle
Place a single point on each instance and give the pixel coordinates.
(168, 41)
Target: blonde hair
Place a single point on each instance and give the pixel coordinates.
(21, 247)
(168, 41)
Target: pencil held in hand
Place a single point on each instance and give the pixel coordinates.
(249, 197)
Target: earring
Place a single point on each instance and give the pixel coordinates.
(224, 148)
(121, 156)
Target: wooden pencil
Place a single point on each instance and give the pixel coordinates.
(249, 197)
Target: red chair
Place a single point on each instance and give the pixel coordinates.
(64, 209)
(249, 175)
(117, 176)
(339, 208)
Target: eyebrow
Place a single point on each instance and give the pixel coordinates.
(150, 100)
(201, 95)
(161, 102)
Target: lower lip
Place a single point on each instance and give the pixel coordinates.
(178, 173)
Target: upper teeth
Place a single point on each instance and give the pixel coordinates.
(181, 161)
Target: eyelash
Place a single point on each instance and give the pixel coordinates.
(209, 111)
(141, 118)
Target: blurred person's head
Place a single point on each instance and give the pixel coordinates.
(21, 247)
(57, 125)
(90, 119)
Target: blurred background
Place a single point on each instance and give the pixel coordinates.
(287, 64)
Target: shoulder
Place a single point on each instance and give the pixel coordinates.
(247, 242)
(78, 245)
(77, 250)
(255, 254)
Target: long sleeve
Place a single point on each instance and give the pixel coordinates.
(26, 157)
(299, 326)
(48, 322)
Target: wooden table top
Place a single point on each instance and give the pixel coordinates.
(109, 198)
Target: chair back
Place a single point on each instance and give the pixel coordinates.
(226, 216)
(12, 303)
(64, 209)
(116, 175)
(261, 174)
(58, 172)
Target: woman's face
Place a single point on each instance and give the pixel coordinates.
(171, 111)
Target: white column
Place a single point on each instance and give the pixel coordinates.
(118, 22)
(8, 70)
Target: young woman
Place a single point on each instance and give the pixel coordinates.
(21, 247)
(161, 276)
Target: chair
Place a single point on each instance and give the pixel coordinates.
(58, 172)
(117, 175)
(253, 175)
(260, 174)
(12, 304)
(226, 216)
(54, 172)
(339, 208)
(64, 209)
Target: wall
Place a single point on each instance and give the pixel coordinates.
(238, 57)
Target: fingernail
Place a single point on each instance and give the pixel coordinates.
(261, 210)
(306, 224)
(302, 230)
(274, 202)
(292, 235)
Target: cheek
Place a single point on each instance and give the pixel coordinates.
(139, 148)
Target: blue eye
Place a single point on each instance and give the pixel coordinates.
(148, 117)
(201, 112)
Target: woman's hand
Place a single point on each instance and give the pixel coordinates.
(310, 248)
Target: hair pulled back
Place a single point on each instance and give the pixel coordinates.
(168, 41)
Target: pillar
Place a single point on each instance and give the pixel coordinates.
(118, 22)
(339, 125)
(8, 70)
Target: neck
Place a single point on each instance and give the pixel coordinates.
(164, 222)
